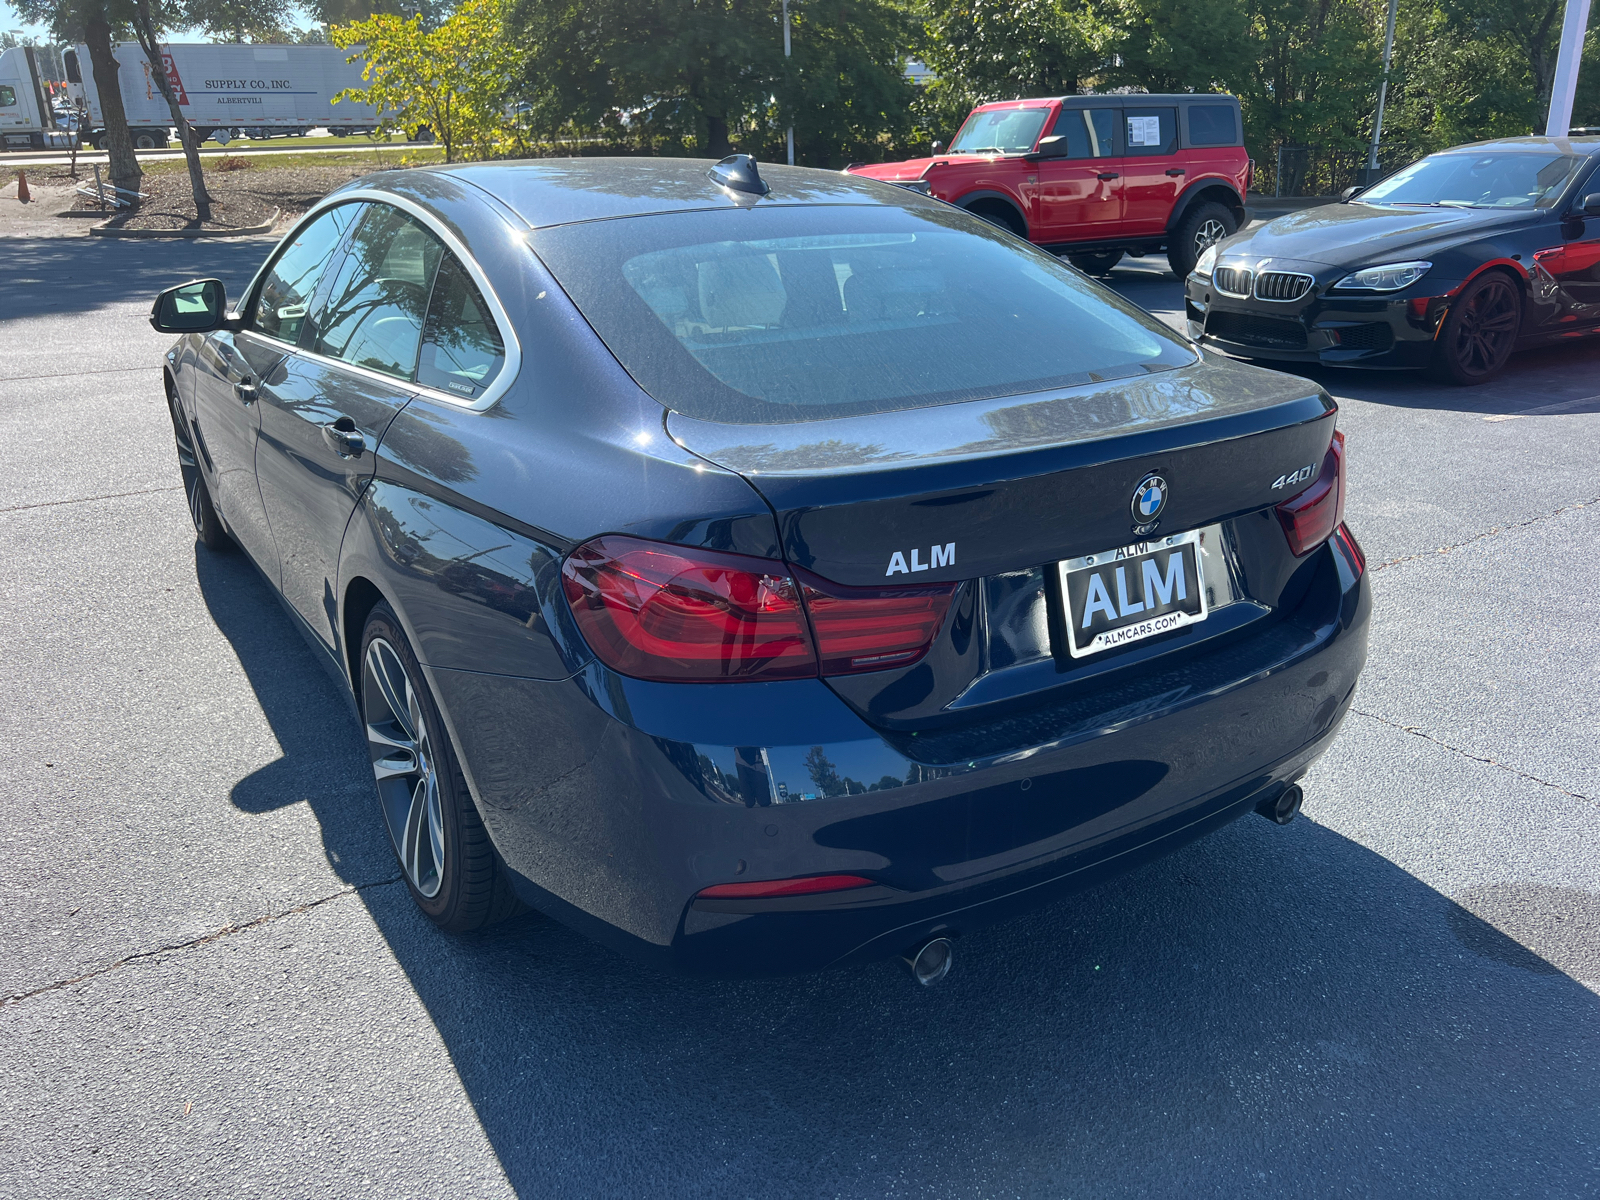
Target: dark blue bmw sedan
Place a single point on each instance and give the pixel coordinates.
(762, 568)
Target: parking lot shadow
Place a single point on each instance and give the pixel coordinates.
(54, 276)
(1267, 1012)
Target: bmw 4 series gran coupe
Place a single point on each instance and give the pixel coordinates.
(765, 573)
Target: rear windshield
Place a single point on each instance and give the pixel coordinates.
(786, 314)
(1518, 179)
(1000, 131)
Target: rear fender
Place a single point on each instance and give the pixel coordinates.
(1217, 188)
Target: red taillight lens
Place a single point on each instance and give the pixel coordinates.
(670, 613)
(872, 629)
(807, 886)
(1310, 518)
(1356, 552)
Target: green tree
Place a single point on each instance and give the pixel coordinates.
(94, 23)
(450, 80)
(235, 20)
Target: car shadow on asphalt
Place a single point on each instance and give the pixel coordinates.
(52, 276)
(1267, 1011)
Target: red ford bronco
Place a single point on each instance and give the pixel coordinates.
(1095, 177)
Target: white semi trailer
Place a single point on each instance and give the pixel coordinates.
(260, 90)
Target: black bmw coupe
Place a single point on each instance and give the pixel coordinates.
(1452, 264)
(765, 573)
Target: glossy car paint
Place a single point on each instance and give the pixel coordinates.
(613, 801)
(1119, 202)
(1553, 255)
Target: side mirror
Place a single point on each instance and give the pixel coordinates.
(1591, 205)
(1350, 193)
(937, 146)
(1054, 146)
(195, 307)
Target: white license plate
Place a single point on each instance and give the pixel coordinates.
(1132, 593)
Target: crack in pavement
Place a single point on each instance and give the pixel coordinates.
(1486, 533)
(1416, 731)
(176, 487)
(75, 374)
(202, 940)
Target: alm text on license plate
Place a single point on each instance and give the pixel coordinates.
(1132, 593)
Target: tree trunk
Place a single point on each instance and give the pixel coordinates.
(125, 172)
(144, 26)
(717, 143)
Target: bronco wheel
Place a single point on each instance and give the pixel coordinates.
(1203, 225)
(207, 525)
(443, 848)
(1479, 334)
(998, 213)
(1099, 262)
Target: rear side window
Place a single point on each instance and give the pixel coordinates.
(1090, 132)
(462, 351)
(285, 295)
(790, 314)
(371, 314)
(1150, 130)
(1213, 125)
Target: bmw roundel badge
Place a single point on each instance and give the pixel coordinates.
(1149, 498)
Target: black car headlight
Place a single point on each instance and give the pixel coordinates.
(1390, 277)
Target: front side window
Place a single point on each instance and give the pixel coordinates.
(1000, 131)
(1090, 132)
(1514, 179)
(8, 96)
(1150, 130)
(371, 314)
(280, 307)
(791, 314)
(461, 347)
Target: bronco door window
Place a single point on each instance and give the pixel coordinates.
(1150, 130)
(1090, 132)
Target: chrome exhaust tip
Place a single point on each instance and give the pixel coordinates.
(1284, 807)
(931, 961)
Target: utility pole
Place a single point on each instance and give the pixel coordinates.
(786, 55)
(1383, 95)
(1566, 80)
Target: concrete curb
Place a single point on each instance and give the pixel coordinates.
(101, 230)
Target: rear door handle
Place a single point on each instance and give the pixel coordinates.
(1176, 171)
(344, 437)
(245, 389)
(1108, 175)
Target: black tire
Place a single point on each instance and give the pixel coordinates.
(338, 131)
(1202, 226)
(103, 142)
(202, 513)
(1098, 262)
(997, 213)
(1480, 332)
(144, 141)
(461, 888)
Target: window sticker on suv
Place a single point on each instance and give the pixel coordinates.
(1144, 131)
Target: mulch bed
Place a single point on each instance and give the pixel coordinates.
(240, 198)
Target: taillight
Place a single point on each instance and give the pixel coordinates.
(677, 614)
(656, 611)
(808, 885)
(1310, 518)
(872, 629)
(1357, 554)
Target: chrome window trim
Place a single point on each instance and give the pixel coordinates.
(513, 348)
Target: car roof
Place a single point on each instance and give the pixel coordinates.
(560, 191)
(1137, 99)
(1582, 144)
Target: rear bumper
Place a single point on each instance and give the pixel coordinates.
(613, 802)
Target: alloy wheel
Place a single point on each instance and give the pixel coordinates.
(404, 765)
(1486, 328)
(1210, 231)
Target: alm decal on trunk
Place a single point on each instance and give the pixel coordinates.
(938, 556)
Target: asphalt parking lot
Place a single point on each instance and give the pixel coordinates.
(212, 984)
